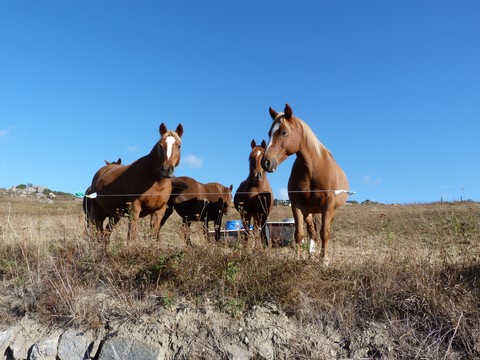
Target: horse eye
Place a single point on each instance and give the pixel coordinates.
(284, 132)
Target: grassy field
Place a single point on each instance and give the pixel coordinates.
(412, 268)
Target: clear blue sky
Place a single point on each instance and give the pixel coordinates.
(392, 88)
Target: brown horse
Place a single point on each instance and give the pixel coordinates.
(138, 189)
(254, 196)
(87, 201)
(317, 184)
(195, 201)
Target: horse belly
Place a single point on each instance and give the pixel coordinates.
(191, 210)
(309, 202)
(151, 203)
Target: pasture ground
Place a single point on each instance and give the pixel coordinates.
(406, 274)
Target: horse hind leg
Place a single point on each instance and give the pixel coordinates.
(157, 220)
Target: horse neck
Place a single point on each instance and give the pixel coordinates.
(151, 162)
(308, 154)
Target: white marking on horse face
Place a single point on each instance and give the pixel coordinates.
(170, 140)
(259, 153)
(275, 127)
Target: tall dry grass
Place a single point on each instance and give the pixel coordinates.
(412, 269)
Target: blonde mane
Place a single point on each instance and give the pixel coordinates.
(309, 137)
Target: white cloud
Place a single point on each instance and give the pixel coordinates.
(132, 148)
(191, 161)
(283, 194)
(369, 181)
(4, 133)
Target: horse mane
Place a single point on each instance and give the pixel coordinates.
(309, 137)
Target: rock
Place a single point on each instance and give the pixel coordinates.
(235, 352)
(5, 337)
(46, 348)
(265, 350)
(73, 345)
(126, 348)
(24, 335)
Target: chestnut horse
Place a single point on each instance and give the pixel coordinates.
(138, 189)
(254, 196)
(317, 184)
(195, 201)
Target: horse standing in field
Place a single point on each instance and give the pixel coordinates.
(195, 201)
(254, 196)
(317, 184)
(87, 201)
(138, 189)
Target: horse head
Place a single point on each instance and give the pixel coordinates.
(118, 162)
(284, 139)
(227, 200)
(255, 160)
(168, 149)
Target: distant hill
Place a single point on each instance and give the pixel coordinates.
(42, 193)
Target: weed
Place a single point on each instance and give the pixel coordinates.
(412, 268)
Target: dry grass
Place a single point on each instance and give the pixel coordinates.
(414, 269)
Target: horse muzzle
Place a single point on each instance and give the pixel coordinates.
(166, 171)
(268, 165)
(258, 176)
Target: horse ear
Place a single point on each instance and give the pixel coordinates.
(231, 187)
(162, 129)
(179, 130)
(288, 112)
(273, 113)
(264, 144)
(253, 143)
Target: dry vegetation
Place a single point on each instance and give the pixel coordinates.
(413, 269)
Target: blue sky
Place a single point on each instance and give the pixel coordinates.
(392, 88)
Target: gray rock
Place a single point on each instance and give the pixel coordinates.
(6, 337)
(117, 348)
(73, 345)
(265, 350)
(235, 352)
(46, 348)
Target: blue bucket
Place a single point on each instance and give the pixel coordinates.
(233, 225)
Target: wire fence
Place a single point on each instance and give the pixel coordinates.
(335, 191)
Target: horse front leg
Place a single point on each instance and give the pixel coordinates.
(134, 215)
(262, 223)
(327, 219)
(186, 231)
(249, 234)
(206, 234)
(298, 217)
(312, 234)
